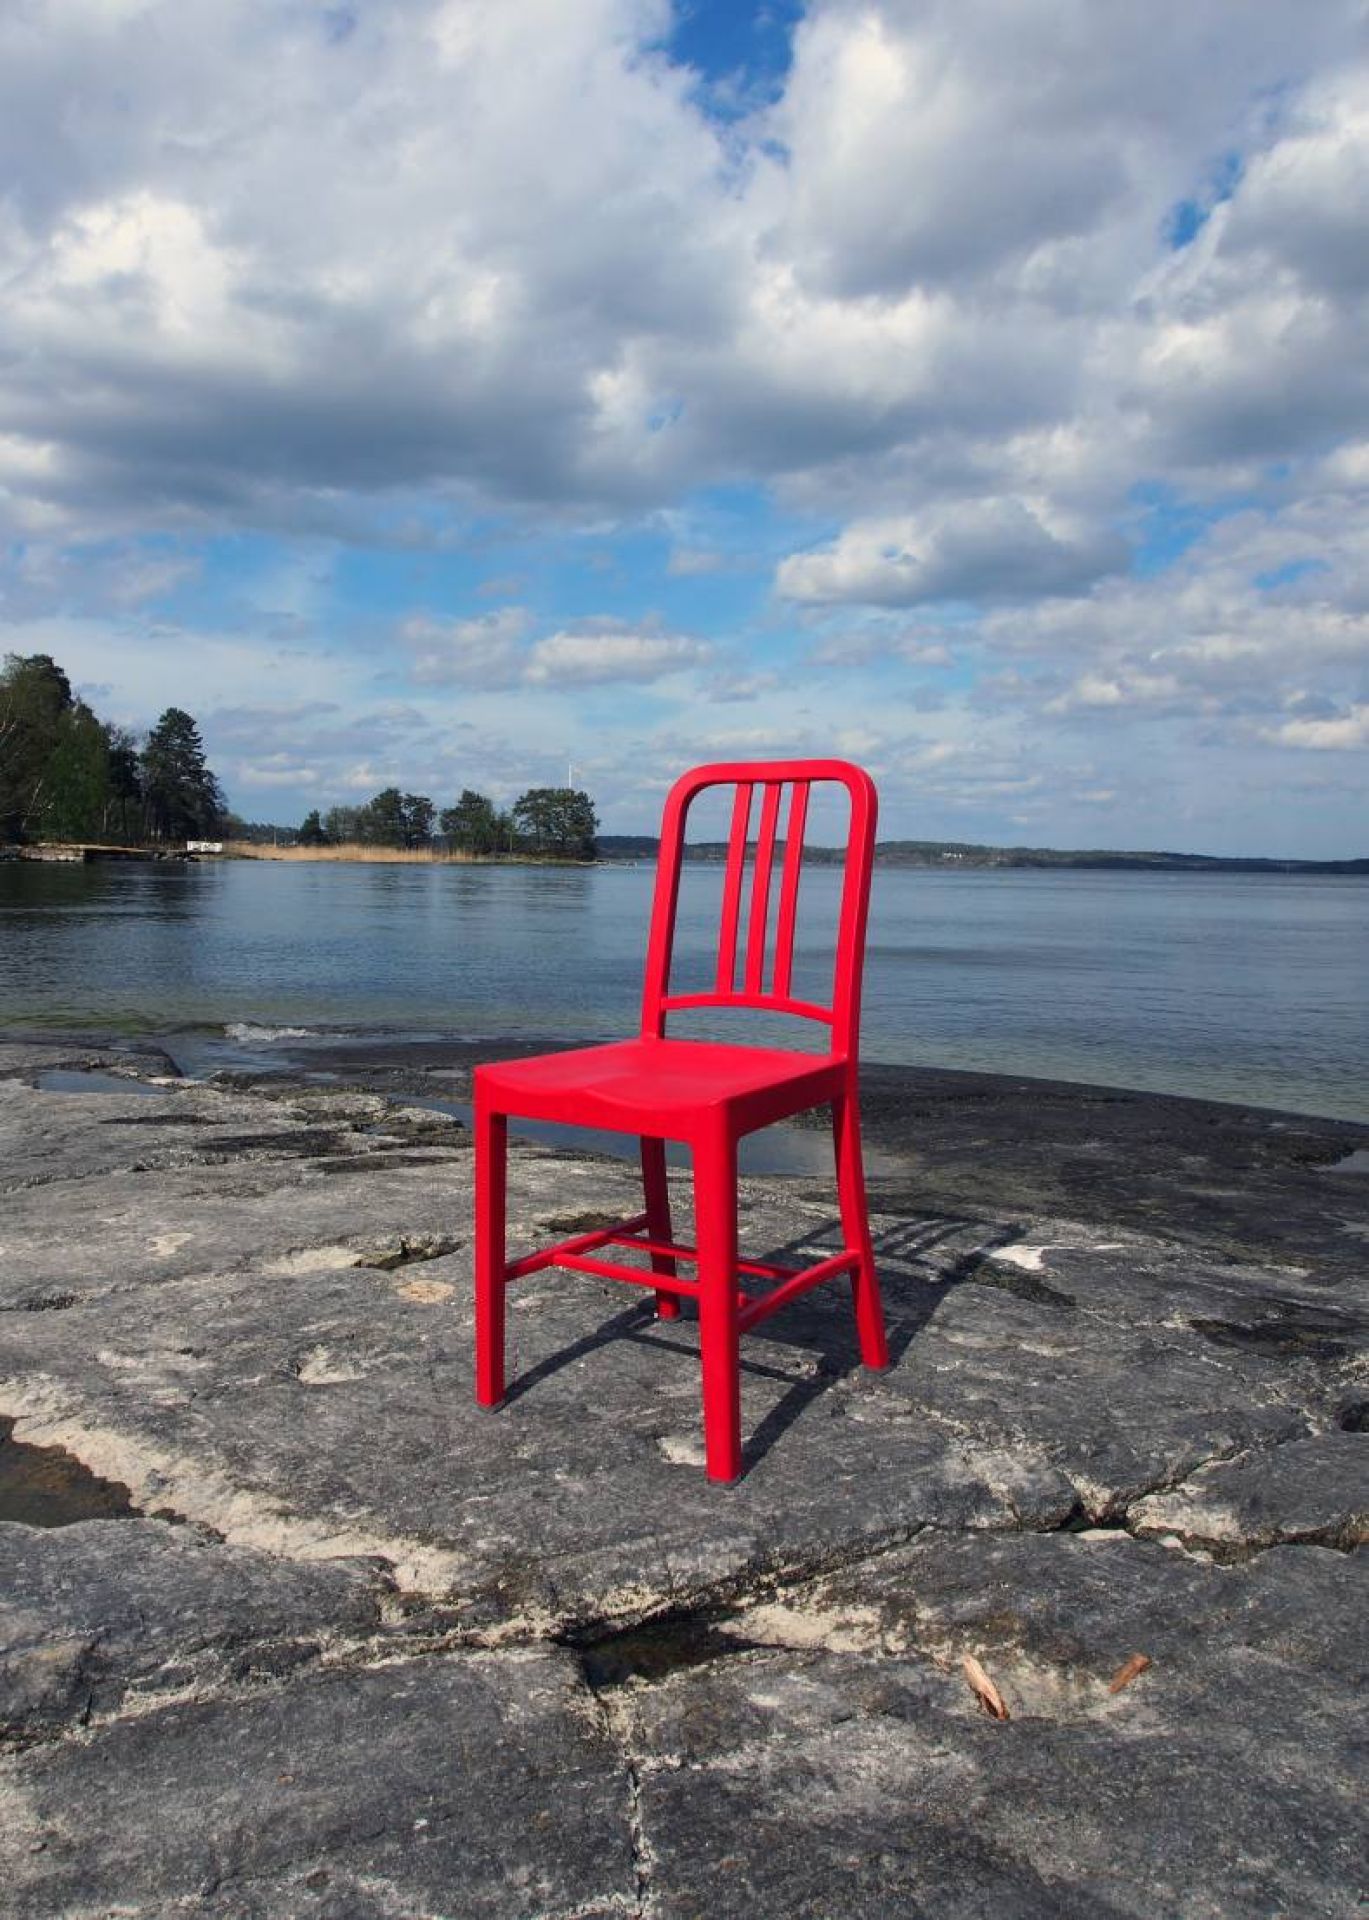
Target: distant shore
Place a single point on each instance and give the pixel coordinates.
(353, 853)
(641, 850)
(961, 856)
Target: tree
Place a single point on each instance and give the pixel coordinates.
(123, 799)
(66, 774)
(181, 798)
(472, 825)
(311, 832)
(78, 777)
(419, 812)
(35, 696)
(392, 819)
(342, 825)
(380, 823)
(557, 820)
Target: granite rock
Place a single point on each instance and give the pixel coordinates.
(404, 1657)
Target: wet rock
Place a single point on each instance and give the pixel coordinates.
(24, 1057)
(1235, 1180)
(48, 1487)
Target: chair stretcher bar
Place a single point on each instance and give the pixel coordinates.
(577, 1255)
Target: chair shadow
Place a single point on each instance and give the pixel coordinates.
(820, 1321)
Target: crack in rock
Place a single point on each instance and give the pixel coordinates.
(159, 1480)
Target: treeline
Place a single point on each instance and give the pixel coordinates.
(965, 856)
(552, 822)
(65, 774)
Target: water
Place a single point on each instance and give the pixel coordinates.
(47, 1487)
(1233, 987)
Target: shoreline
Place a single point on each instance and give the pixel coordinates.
(378, 1058)
(890, 856)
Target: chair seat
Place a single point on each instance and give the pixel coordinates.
(662, 1087)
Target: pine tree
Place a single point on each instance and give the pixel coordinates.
(123, 801)
(418, 820)
(181, 798)
(380, 823)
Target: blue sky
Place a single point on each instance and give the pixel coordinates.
(440, 392)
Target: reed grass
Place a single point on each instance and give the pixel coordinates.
(351, 851)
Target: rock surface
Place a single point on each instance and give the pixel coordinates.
(401, 1657)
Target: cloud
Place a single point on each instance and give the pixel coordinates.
(1341, 733)
(601, 654)
(135, 585)
(1030, 344)
(687, 563)
(560, 281)
(493, 650)
(486, 651)
(983, 550)
(875, 638)
(729, 686)
(1101, 692)
(276, 771)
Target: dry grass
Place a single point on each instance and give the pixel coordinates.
(401, 856)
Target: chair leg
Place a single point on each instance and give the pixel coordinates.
(657, 1194)
(715, 1215)
(855, 1228)
(491, 1157)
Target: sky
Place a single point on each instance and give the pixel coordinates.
(487, 393)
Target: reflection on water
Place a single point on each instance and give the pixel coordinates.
(1232, 986)
(81, 1080)
(46, 1487)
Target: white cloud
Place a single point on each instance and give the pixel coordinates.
(151, 580)
(1044, 143)
(428, 275)
(1341, 733)
(486, 651)
(602, 654)
(276, 771)
(1133, 691)
(423, 259)
(493, 650)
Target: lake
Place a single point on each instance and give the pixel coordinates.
(1227, 986)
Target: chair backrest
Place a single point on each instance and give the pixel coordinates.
(752, 970)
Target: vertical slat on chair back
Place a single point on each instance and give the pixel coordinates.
(766, 968)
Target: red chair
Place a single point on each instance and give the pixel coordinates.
(706, 1095)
